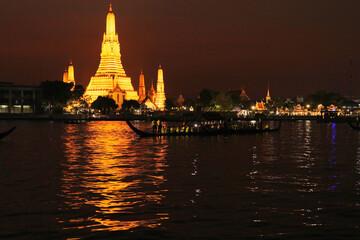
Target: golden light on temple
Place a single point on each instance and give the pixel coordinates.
(160, 91)
(69, 75)
(110, 23)
(142, 91)
(65, 76)
(152, 93)
(110, 73)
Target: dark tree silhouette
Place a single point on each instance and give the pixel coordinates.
(104, 104)
(206, 97)
(56, 94)
(78, 92)
(130, 104)
(169, 104)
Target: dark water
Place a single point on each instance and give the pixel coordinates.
(100, 181)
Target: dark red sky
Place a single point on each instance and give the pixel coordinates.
(299, 46)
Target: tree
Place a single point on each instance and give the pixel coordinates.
(190, 103)
(104, 104)
(326, 99)
(130, 104)
(56, 94)
(236, 99)
(78, 92)
(224, 101)
(206, 97)
(169, 104)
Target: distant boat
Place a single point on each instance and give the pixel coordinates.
(251, 130)
(4, 134)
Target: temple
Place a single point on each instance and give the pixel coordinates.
(268, 98)
(154, 100)
(142, 93)
(110, 79)
(160, 91)
(151, 92)
(69, 76)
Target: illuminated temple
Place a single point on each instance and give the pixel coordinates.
(110, 79)
(160, 91)
(68, 76)
(110, 76)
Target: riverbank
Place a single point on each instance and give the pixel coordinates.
(166, 117)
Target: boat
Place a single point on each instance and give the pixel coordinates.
(251, 130)
(4, 134)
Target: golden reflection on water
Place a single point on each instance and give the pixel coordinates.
(112, 172)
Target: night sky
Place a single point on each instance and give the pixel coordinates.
(298, 46)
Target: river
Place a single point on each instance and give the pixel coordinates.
(100, 181)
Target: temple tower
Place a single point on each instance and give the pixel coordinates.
(268, 98)
(152, 93)
(65, 76)
(142, 92)
(110, 72)
(69, 76)
(160, 91)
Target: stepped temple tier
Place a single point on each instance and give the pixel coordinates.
(110, 79)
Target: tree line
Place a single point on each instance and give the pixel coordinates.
(57, 94)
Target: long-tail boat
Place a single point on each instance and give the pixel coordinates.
(4, 134)
(209, 132)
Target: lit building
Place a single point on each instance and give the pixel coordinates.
(147, 104)
(15, 99)
(160, 91)
(69, 76)
(299, 110)
(118, 95)
(260, 107)
(111, 74)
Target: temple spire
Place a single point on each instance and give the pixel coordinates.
(152, 85)
(142, 93)
(268, 98)
(68, 76)
(110, 22)
(160, 91)
(152, 93)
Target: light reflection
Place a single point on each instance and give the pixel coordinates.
(113, 173)
(333, 158)
(273, 172)
(357, 169)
